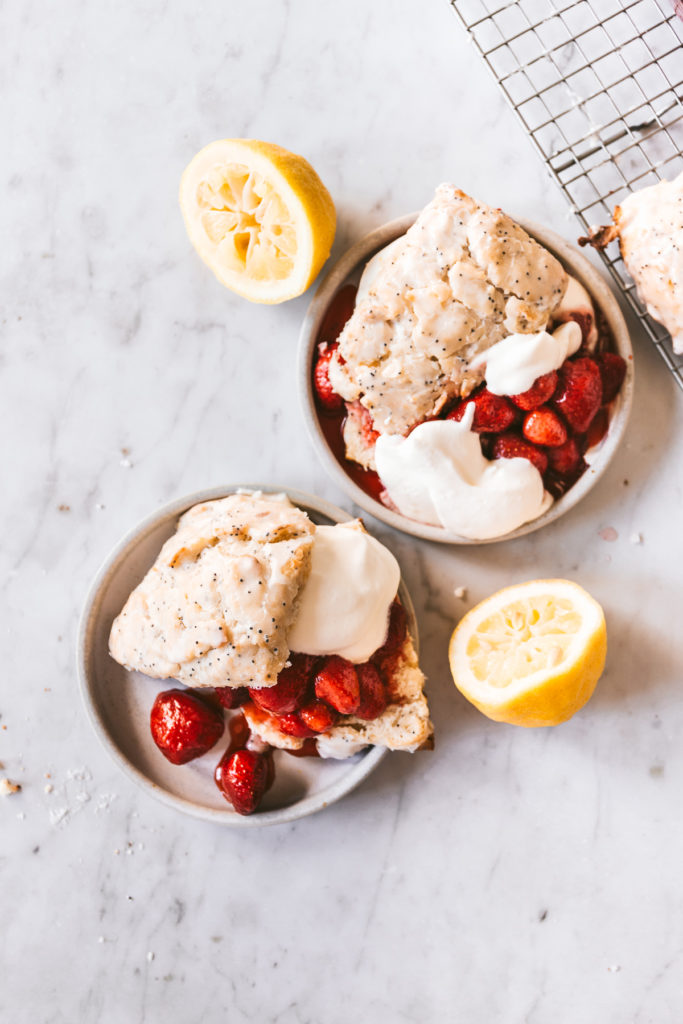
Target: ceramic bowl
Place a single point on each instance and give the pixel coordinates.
(348, 270)
(118, 702)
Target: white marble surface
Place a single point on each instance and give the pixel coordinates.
(510, 876)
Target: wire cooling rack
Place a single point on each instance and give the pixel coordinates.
(601, 96)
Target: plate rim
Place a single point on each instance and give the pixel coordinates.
(368, 760)
(595, 283)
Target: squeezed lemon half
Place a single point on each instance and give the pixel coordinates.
(532, 653)
(259, 216)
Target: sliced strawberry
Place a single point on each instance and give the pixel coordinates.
(492, 413)
(328, 398)
(293, 725)
(336, 682)
(183, 726)
(565, 460)
(318, 715)
(509, 446)
(385, 656)
(579, 393)
(373, 692)
(540, 392)
(242, 778)
(232, 696)
(289, 692)
(612, 372)
(543, 426)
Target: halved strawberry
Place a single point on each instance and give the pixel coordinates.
(293, 725)
(385, 656)
(232, 696)
(598, 428)
(543, 426)
(539, 393)
(289, 692)
(336, 682)
(612, 372)
(183, 726)
(318, 715)
(328, 398)
(492, 413)
(565, 460)
(579, 393)
(584, 318)
(373, 692)
(242, 778)
(509, 446)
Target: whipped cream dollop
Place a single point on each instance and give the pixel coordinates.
(344, 605)
(513, 364)
(439, 475)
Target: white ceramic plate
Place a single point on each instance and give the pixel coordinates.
(119, 702)
(348, 270)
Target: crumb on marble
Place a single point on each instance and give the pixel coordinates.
(8, 788)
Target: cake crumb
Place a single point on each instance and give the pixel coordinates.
(48, 788)
(614, 968)
(460, 593)
(8, 788)
(636, 538)
(609, 534)
(150, 957)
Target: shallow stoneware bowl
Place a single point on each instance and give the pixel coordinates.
(348, 270)
(118, 702)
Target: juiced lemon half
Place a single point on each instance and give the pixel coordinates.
(259, 216)
(531, 654)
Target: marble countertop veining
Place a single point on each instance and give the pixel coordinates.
(510, 876)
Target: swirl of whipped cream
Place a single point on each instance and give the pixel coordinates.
(439, 475)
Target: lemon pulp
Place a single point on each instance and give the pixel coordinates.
(259, 216)
(530, 654)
